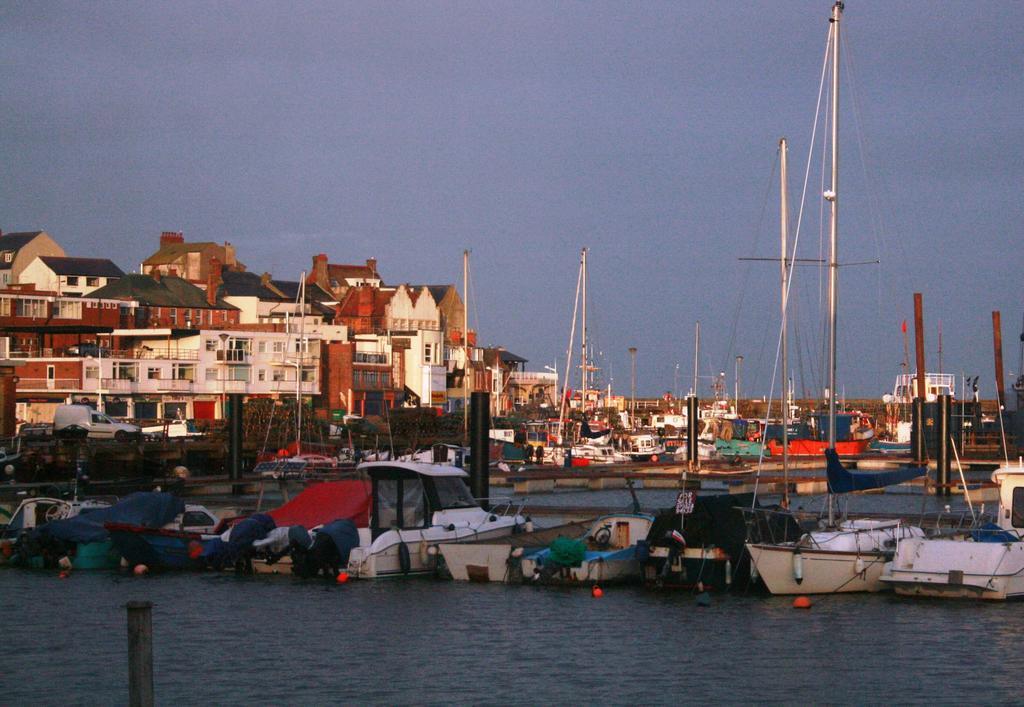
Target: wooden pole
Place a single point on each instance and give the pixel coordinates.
(997, 346)
(140, 653)
(922, 391)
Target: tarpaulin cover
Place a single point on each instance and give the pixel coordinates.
(992, 533)
(585, 431)
(330, 500)
(842, 480)
(240, 539)
(344, 535)
(144, 508)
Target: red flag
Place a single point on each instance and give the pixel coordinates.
(904, 326)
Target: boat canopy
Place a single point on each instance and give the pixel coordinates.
(325, 502)
(415, 467)
(842, 480)
(146, 509)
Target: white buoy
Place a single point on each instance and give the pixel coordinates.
(728, 573)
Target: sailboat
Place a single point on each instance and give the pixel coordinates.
(848, 556)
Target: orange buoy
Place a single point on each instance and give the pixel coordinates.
(63, 575)
(597, 592)
(802, 602)
(195, 549)
(342, 577)
(140, 570)
(6, 548)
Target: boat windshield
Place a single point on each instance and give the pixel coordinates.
(452, 492)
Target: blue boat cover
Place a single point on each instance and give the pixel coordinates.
(146, 508)
(842, 480)
(241, 538)
(585, 431)
(992, 533)
(345, 536)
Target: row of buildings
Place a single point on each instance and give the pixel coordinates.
(194, 324)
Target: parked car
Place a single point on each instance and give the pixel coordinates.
(87, 350)
(70, 420)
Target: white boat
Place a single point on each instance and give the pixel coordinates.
(415, 509)
(500, 559)
(847, 556)
(643, 448)
(986, 563)
(35, 512)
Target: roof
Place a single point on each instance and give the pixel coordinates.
(438, 292)
(236, 283)
(350, 302)
(169, 291)
(13, 242)
(93, 267)
(509, 357)
(171, 252)
(355, 272)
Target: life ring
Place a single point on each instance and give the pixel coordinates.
(404, 562)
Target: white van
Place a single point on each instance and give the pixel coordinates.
(97, 425)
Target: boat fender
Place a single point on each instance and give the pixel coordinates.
(492, 518)
(858, 565)
(728, 573)
(424, 552)
(404, 561)
(450, 527)
(754, 574)
(798, 567)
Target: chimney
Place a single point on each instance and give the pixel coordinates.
(364, 306)
(371, 263)
(265, 279)
(172, 271)
(169, 237)
(319, 274)
(229, 254)
(213, 281)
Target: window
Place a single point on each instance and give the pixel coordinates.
(452, 492)
(186, 371)
(370, 379)
(261, 374)
(428, 349)
(125, 371)
(211, 344)
(211, 374)
(8, 257)
(72, 280)
(308, 375)
(172, 315)
(238, 373)
(92, 372)
(153, 374)
(385, 380)
(278, 375)
(278, 347)
(92, 282)
(30, 307)
(261, 346)
(67, 310)
(1017, 519)
(5, 306)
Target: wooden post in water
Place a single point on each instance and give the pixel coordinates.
(942, 446)
(140, 653)
(479, 451)
(235, 440)
(997, 346)
(692, 413)
(921, 390)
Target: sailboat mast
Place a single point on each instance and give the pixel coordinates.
(784, 262)
(696, 356)
(833, 261)
(584, 360)
(302, 359)
(465, 342)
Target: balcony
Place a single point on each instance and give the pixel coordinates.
(62, 384)
(233, 356)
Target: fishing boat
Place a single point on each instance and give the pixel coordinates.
(854, 434)
(845, 556)
(984, 563)
(643, 448)
(607, 552)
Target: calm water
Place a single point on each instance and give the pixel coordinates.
(221, 639)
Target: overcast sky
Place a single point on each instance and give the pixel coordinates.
(524, 131)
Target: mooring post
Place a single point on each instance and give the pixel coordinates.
(140, 653)
(235, 441)
(942, 446)
(479, 447)
(692, 414)
(917, 423)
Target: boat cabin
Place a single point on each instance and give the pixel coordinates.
(936, 384)
(406, 495)
(1011, 497)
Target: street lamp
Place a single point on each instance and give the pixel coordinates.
(223, 336)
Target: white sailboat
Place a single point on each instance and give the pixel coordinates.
(848, 556)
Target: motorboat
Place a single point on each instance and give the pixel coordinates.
(33, 513)
(416, 508)
(983, 563)
(644, 448)
(500, 559)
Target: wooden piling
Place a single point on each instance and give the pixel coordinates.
(140, 653)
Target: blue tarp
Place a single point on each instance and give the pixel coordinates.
(148, 509)
(345, 536)
(992, 533)
(586, 432)
(241, 538)
(842, 480)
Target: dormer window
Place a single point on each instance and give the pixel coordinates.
(8, 257)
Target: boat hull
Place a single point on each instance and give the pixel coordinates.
(154, 547)
(816, 448)
(962, 569)
(823, 571)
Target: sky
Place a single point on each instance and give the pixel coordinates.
(524, 131)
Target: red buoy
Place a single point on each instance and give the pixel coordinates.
(342, 577)
(140, 570)
(597, 592)
(195, 549)
(802, 602)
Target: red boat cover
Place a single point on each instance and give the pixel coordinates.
(326, 501)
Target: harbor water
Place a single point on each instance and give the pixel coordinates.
(223, 639)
